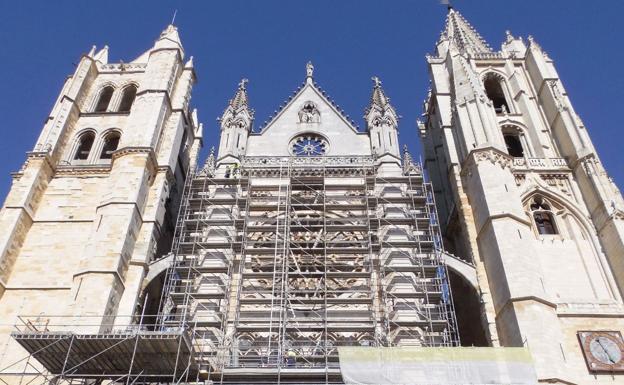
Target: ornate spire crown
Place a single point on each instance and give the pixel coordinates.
(237, 113)
(462, 34)
(380, 111)
(378, 97)
(240, 100)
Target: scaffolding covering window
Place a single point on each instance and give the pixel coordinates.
(279, 267)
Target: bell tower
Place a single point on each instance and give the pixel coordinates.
(522, 195)
(92, 210)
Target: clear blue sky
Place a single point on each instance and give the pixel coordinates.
(269, 42)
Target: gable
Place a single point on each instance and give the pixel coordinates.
(309, 112)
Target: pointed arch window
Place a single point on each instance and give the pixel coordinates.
(514, 141)
(129, 94)
(111, 142)
(85, 143)
(494, 91)
(104, 100)
(543, 216)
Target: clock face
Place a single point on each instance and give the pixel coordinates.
(309, 145)
(603, 350)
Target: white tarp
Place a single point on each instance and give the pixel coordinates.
(436, 366)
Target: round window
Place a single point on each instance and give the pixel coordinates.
(309, 145)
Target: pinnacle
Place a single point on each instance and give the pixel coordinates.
(378, 97)
(240, 100)
(102, 55)
(169, 38)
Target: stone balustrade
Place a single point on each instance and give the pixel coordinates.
(336, 161)
(540, 163)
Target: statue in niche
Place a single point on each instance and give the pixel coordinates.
(309, 113)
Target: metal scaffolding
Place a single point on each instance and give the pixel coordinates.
(288, 258)
(277, 262)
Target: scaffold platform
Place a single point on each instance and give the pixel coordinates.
(153, 355)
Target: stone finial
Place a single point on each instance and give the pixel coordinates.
(243, 84)
(102, 55)
(409, 167)
(169, 38)
(508, 36)
(377, 82)
(309, 70)
(210, 165)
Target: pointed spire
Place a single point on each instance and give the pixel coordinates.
(102, 55)
(409, 166)
(378, 96)
(210, 164)
(237, 112)
(379, 104)
(169, 38)
(463, 35)
(240, 100)
(189, 63)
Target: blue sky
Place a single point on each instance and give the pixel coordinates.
(269, 43)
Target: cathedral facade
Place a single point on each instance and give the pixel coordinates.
(124, 259)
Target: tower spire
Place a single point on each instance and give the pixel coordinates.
(382, 123)
(236, 122)
(462, 34)
(237, 113)
(169, 38)
(240, 99)
(379, 99)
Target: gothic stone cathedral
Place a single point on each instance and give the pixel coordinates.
(123, 259)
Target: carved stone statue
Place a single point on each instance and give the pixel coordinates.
(309, 113)
(309, 69)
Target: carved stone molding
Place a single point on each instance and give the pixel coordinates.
(559, 182)
(122, 67)
(618, 214)
(90, 170)
(489, 154)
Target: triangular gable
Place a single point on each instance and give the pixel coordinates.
(310, 85)
(326, 120)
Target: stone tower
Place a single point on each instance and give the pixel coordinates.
(523, 195)
(93, 207)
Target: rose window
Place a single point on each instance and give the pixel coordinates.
(309, 145)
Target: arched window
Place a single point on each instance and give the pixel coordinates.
(513, 140)
(129, 94)
(84, 146)
(514, 145)
(543, 216)
(105, 98)
(110, 145)
(494, 92)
